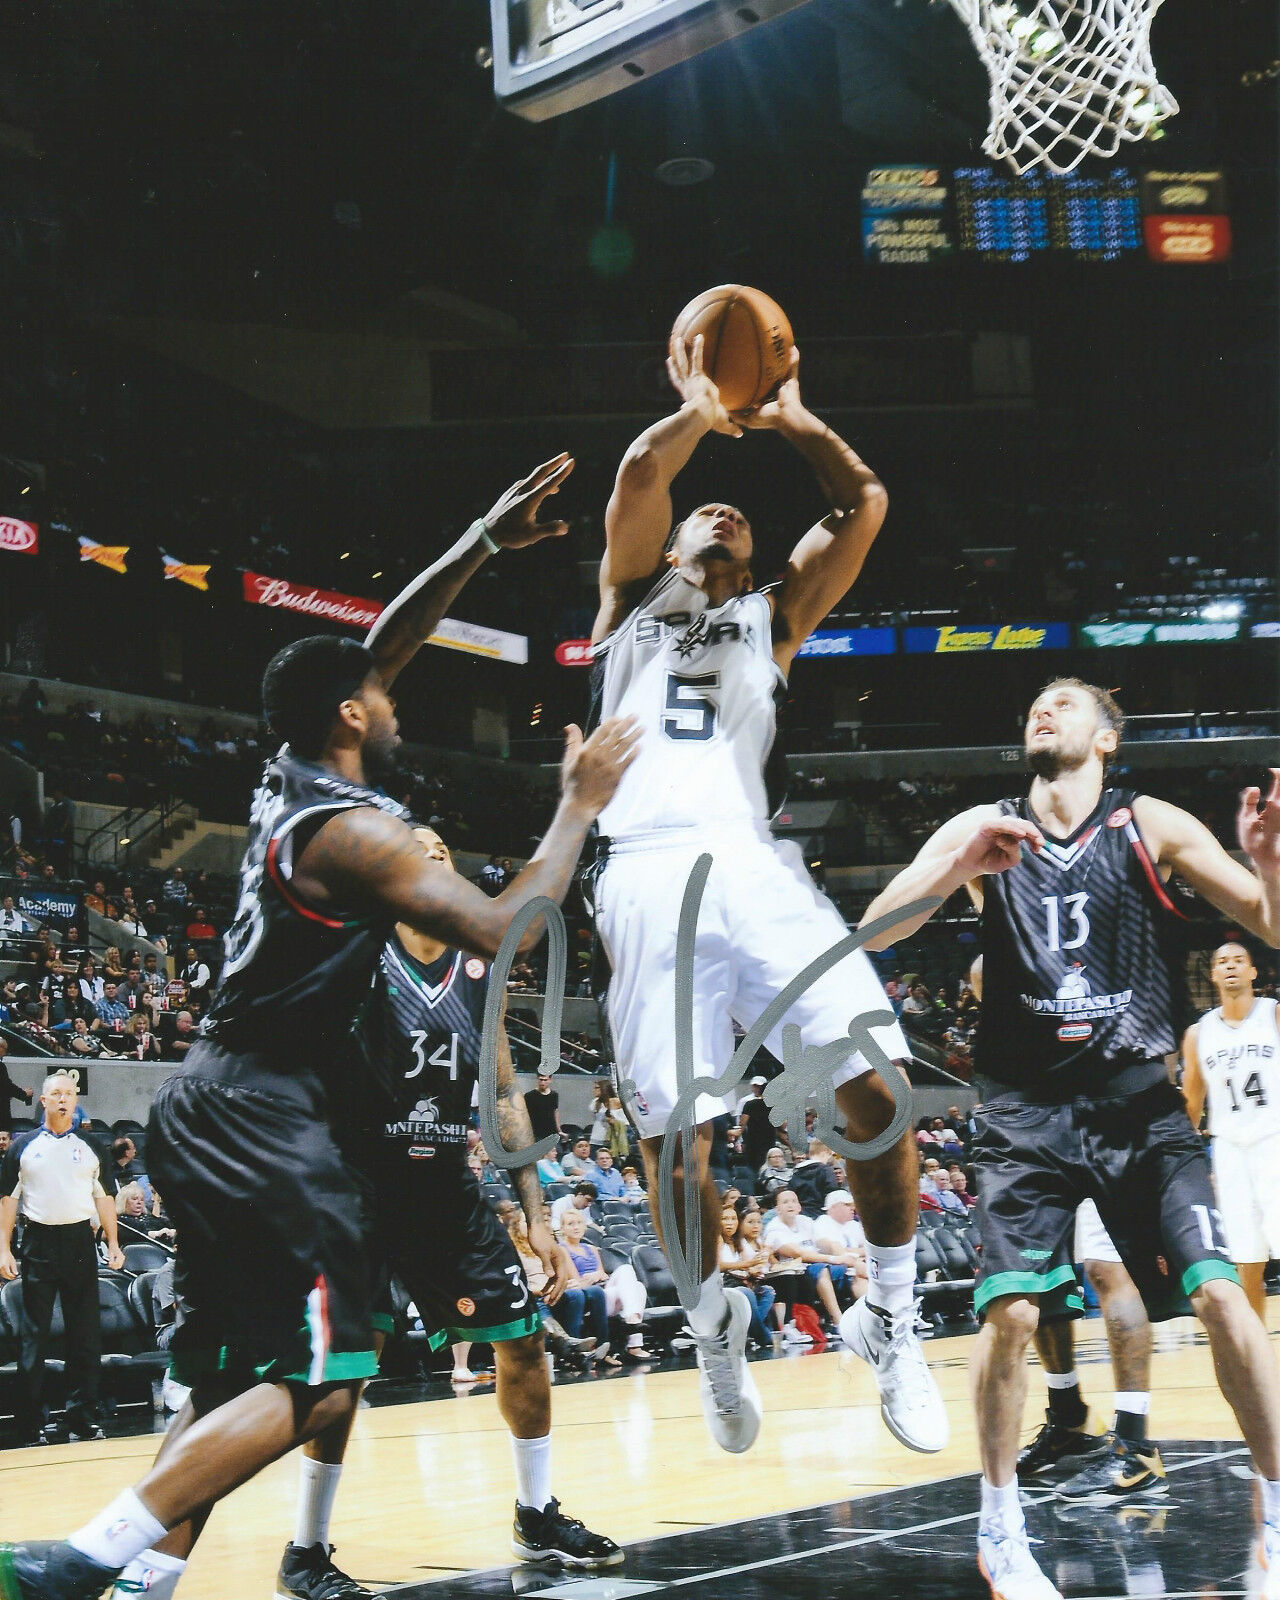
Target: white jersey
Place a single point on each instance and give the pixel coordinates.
(702, 683)
(1240, 1062)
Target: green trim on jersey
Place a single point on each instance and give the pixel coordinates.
(340, 1366)
(465, 1333)
(1201, 1271)
(1058, 1290)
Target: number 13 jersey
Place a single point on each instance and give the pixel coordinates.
(1241, 1066)
(1082, 959)
(705, 688)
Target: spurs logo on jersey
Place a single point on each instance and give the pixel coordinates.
(703, 684)
(1081, 960)
(1240, 1062)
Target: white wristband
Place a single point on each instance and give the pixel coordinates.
(481, 527)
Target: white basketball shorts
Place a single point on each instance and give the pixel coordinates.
(1093, 1242)
(761, 921)
(1247, 1178)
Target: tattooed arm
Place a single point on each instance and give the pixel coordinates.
(365, 862)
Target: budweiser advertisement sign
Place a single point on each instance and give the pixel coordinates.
(575, 653)
(323, 604)
(22, 538)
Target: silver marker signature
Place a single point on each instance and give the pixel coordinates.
(807, 1071)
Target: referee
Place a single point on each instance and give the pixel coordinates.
(56, 1174)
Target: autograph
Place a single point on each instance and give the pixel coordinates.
(807, 1070)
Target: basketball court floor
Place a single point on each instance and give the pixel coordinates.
(826, 1505)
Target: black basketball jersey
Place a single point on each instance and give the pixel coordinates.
(419, 1031)
(1082, 972)
(294, 974)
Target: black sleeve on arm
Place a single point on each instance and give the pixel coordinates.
(10, 1173)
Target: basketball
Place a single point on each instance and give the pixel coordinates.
(746, 342)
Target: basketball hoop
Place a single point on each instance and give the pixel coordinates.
(1069, 78)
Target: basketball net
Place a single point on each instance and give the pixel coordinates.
(1069, 78)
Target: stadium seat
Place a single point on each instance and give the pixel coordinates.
(144, 1257)
(664, 1315)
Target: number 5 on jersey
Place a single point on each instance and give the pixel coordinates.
(445, 1056)
(690, 714)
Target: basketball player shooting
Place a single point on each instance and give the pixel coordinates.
(1082, 985)
(685, 644)
(1232, 1056)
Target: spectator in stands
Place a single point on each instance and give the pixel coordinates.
(916, 1006)
(632, 1192)
(9, 1090)
(112, 964)
(6, 1139)
(577, 1163)
(112, 1012)
(624, 1294)
(158, 922)
(174, 888)
(950, 1202)
(814, 1177)
(90, 982)
(549, 1170)
(775, 1174)
(490, 879)
(176, 1041)
(132, 1209)
(543, 1105)
(838, 1234)
(12, 922)
(77, 1040)
(582, 1199)
(606, 1177)
(744, 1266)
(960, 1188)
(125, 1168)
(598, 1115)
(137, 1040)
(154, 981)
(200, 927)
(757, 1130)
(789, 1234)
(96, 899)
(196, 975)
(130, 920)
(787, 1276)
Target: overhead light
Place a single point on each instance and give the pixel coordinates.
(1222, 611)
(344, 555)
(682, 172)
(26, 490)
(1044, 42)
(377, 574)
(126, 841)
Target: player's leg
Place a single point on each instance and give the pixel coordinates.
(1028, 1192)
(1250, 1219)
(711, 1308)
(1065, 1436)
(541, 1532)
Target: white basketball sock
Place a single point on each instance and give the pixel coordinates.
(154, 1574)
(317, 1486)
(712, 1309)
(891, 1269)
(1001, 1504)
(119, 1533)
(533, 1471)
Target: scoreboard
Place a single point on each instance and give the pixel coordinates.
(920, 214)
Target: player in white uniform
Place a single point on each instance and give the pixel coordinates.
(1232, 1057)
(685, 643)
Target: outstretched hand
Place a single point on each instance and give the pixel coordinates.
(1258, 826)
(785, 403)
(996, 846)
(512, 523)
(696, 388)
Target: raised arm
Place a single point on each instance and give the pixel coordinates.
(1193, 1085)
(962, 852)
(825, 564)
(1181, 842)
(365, 861)
(412, 617)
(638, 518)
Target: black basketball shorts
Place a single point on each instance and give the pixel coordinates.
(272, 1275)
(1138, 1158)
(435, 1231)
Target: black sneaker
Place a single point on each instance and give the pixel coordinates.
(546, 1535)
(1127, 1471)
(81, 1430)
(307, 1572)
(1056, 1446)
(50, 1570)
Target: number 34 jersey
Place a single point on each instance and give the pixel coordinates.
(704, 686)
(1082, 959)
(420, 1031)
(1240, 1062)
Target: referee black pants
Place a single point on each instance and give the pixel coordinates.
(59, 1262)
